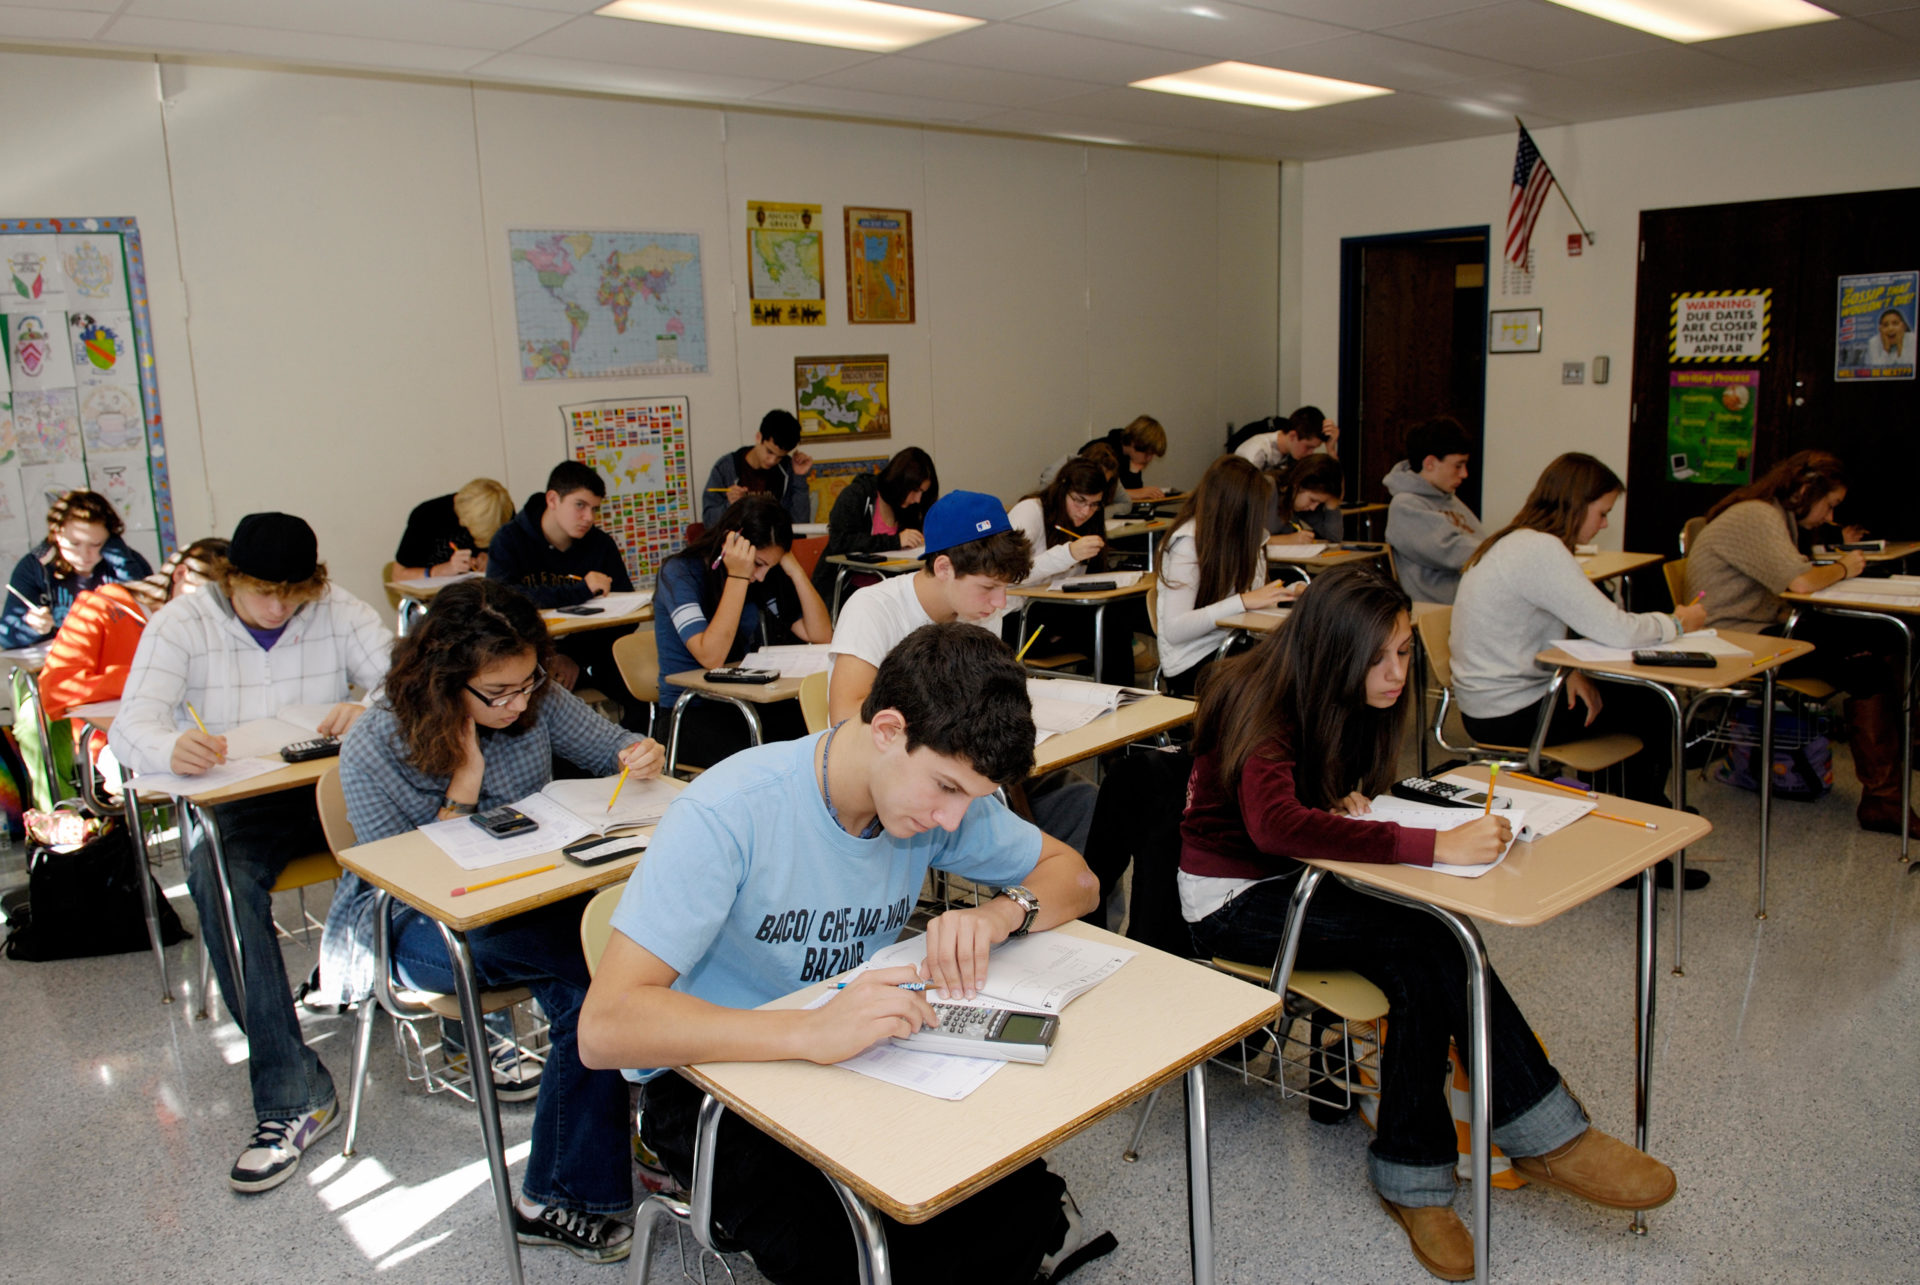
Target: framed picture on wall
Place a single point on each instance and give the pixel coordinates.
(1513, 330)
(841, 397)
(879, 266)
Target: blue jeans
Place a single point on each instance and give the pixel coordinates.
(259, 837)
(1413, 958)
(581, 1158)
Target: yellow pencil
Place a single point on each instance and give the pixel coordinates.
(476, 887)
(1541, 780)
(616, 788)
(196, 719)
(1071, 535)
(1608, 816)
(1493, 775)
(1023, 649)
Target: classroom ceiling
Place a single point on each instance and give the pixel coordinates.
(1060, 68)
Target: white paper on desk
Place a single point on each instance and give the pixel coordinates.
(1046, 970)
(99, 709)
(585, 800)
(231, 772)
(472, 848)
(791, 660)
(1895, 591)
(1118, 579)
(1052, 717)
(1706, 640)
(1419, 816)
(612, 606)
(1294, 552)
(427, 584)
(1545, 813)
(947, 1076)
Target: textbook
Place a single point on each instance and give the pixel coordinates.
(791, 660)
(1294, 552)
(1047, 971)
(640, 802)
(1062, 705)
(563, 812)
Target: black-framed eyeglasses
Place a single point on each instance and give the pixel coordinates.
(501, 702)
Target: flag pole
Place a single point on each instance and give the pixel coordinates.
(1560, 187)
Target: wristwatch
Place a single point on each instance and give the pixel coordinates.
(1024, 899)
(457, 808)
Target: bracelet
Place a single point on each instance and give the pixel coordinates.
(1680, 629)
(732, 576)
(450, 804)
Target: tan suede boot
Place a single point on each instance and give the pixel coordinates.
(1603, 1169)
(1437, 1237)
(1873, 728)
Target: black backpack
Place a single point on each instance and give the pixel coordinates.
(1137, 820)
(1253, 428)
(86, 901)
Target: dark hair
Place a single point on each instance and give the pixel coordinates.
(905, 473)
(1005, 555)
(1439, 437)
(1309, 424)
(1558, 502)
(76, 506)
(1228, 510)
(1796, 484)
(1893, 312)
(962, 694)
(569, 476)
(759, 518)
(1306, 683)
(473, 624)
(780, 428)
(1315, 473)
(1078, 476)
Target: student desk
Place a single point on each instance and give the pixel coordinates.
(1602, 567)
(1768, 655)
(1536, 882)
(1156, 1020)
(416, 598)
(1903, 614)
(1256, 622)
(1128, 530)
(1096, 602)
(414, 870)
(1146, 717)
(1329, 558)
(897, 566)
(1896, 551)
(742, 696)
(559, 626)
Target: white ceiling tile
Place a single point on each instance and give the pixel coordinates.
(649, 44)
(1529, 33)
(1543, 94)
(557, 6)
(428, 22)
(1905, 24)
(1366, 15)
(1382, 60)
(1839, 47)
(1053, 53)
(1210, 27)
(1169, 111)
(293, 46)
(993, 10)
(1860, 8)
(575, 73)
(861, 103)
(1662, 70)
(1063, 125)
(53, 24)
(1002, 89)
(1217, 143)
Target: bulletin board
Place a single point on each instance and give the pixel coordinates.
(79, 398)
(639, 448)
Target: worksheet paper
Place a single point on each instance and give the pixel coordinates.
(948, 1076)
(1045, 970)
(264, 737)
(1545, 813)
(1294, 552)
(474, 849)
(793, 660)
(427, 584)
(1419, 816)
(1706, 640)
(613, 606)
(1895, 591)
(231, 772)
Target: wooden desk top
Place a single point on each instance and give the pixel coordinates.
(1127, 530)
(891, 567)
(1768, 653)
(293, 776)
(559, 626)
(1858, 602)
(1895, 550)
(1605, 566)
(1331, 557)
(780, 689)
(1549, 876)
(1361, 510)
(1257, 622)
(1141, 1028)
(414, 869)
(1040, 593)
(1124, 726)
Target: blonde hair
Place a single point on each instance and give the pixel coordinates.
(1145, 434)
(483, 506)
(312, 589)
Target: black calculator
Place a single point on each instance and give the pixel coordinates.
(1673, 659)
(320, 747)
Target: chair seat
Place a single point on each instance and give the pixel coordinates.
(304, 872)
(448, 1006)
(1339, 991)
(1814, 689)
(1593, 754)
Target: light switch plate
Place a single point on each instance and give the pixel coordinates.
(1573, 372)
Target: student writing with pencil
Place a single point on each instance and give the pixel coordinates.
(1066, 524)
(1292, 740)
(469, 721)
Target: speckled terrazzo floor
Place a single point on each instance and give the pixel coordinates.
(1788, 1068)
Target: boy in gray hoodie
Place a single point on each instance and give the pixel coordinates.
(1431, 532)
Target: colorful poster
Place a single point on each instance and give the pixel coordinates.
(1875, 336)
(827, 478)
(90, 262)
(786, 278)
(42, 484)
(110, 418)
(841, 397)
(599, 305)
(640, 447)
(879, 266)
(46, 426)
(1710, 425)
(121, 476)
(31, 280)
(101, 345)
(38, 344)
(1719, 325)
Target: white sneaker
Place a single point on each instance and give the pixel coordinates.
(277, 1146)
(1076, 1248)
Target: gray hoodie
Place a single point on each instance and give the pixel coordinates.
(1432, 535)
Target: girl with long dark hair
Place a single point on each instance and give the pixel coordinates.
(879, 513)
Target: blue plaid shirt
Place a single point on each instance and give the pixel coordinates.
(386, 795)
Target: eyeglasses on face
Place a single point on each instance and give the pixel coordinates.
(538, 681)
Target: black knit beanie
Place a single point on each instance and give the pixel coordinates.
(276, 547)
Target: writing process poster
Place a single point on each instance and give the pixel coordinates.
(1710, 425)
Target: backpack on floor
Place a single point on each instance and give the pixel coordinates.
(85, 900)
(1802, 757)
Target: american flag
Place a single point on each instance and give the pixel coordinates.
(1531, 179)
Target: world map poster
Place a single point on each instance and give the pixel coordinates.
(595, 305)
(639, 447)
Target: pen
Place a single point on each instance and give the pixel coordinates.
(1023, 647)
(1493, 775)
(1608, 816)
(476, 887)
(905, 986)
(617, 786)
(1539, 780)
(31, 604)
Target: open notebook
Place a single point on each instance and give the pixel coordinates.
(565, 811)
(790, 660)
(264, 737)
(1062, 705)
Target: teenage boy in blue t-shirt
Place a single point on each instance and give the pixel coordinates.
(765, 850)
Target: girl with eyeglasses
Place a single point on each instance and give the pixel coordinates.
(470, 721)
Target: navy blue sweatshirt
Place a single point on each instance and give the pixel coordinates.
(521, 556)
(118, 561)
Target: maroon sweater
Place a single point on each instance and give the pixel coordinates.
(1259, 829)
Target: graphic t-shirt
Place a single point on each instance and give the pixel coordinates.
(680, 613)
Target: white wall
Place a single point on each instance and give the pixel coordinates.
(1800, 146)
(351, 347)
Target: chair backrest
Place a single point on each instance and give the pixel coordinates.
(1691, 532)
(637, 655)
(1676, 579)
(813, 702)
(332, 801)
(386, 577)
(807, 551)
(596, 924)
(1152, 600)
(1436, 639)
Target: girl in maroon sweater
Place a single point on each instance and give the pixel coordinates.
(1293, 738)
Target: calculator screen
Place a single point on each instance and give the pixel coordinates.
(1022, 1029)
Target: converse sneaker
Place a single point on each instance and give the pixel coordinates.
(515, 1078)
(1074, 1248)
(598, 1238)
(277, 1146)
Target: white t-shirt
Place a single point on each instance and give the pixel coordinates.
(879, 617)
(1262, 450)
(1030, 520)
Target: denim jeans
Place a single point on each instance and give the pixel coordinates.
(259, 837)
(1413, 958)
(581, 1158)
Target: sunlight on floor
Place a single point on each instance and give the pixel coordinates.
(384, 1223)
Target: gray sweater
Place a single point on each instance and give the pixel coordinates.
(1432, 534)
(1526, 594)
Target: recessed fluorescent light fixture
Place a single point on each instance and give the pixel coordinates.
(1693, 20)
(1240, 82)
(844, 24)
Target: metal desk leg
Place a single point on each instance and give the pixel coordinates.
(480, 1066)
(1644, 982)
(407, 615)
(148, 902)
(1679, 793)
(1766, 798)
(230, 930)
(1099, 641)
(839, 584)
(1906, 740)
(1199, 1177)
(869, 1236)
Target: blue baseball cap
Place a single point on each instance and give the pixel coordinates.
(959, 517)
